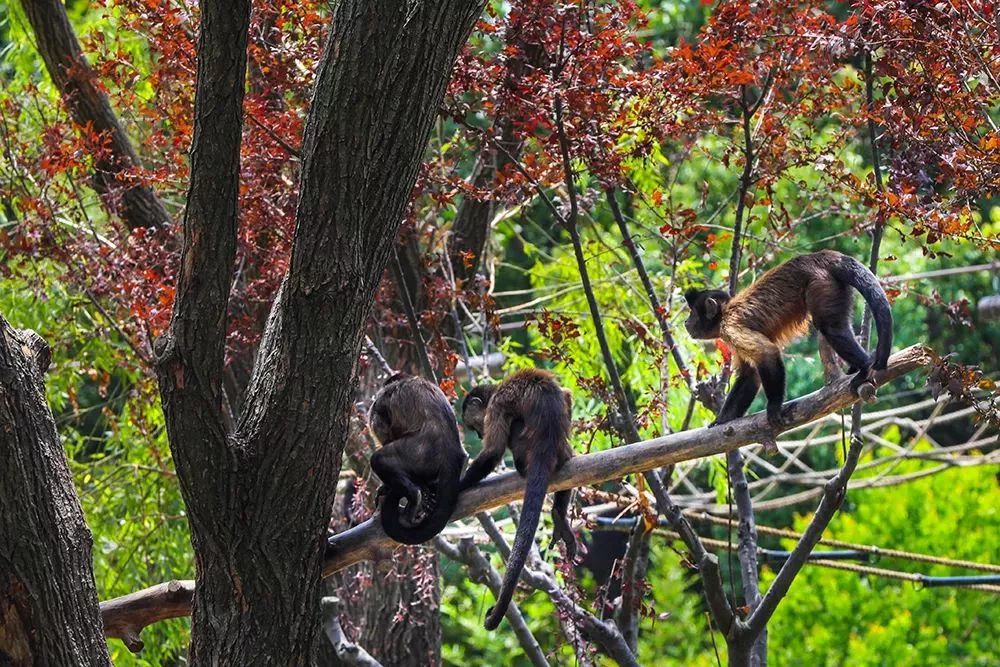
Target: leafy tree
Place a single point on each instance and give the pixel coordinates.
(583, 165)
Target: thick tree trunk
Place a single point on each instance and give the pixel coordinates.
(259, 497)
(48, 601)
(396, 617)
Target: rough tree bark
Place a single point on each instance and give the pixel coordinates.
(210, 199)
(258, 498)
(48, 600)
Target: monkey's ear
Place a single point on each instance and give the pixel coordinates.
(690, 296)
(711, 308)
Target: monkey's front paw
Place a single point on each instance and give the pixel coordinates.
(774, 415)
(412, 512)
(863, 376)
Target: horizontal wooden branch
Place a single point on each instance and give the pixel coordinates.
(126, 616)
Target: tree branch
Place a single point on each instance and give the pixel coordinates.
(347, 651)
(633, 571)
(191, 355)
(833, 497)
(747, 550)
(654, 301)
(121, 190)
(367, 541)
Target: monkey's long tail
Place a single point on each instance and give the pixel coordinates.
(857, 275)
(444, 506)
(536, 484)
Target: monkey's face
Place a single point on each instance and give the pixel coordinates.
(706, 313)
(474, 407)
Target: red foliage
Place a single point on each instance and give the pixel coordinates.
(789, 67)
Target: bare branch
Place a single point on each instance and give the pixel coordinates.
(833, 497)
(126, 616)
(367, 541)
(654, 301)
(121, 192)
(347, 651)
(747, 551)
(633, 568)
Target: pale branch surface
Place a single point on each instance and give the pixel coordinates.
(349, 653)
(481, 571)
(367, 541)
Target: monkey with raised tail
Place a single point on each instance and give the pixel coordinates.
(760, 320)
(530, 414)
(421, 457)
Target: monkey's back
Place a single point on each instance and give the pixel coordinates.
(409, 405)
(534, 397)
(775, 305)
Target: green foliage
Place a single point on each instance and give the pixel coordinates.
(837, 618)
(111, 425)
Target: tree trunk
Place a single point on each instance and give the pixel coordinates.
(259, 497)
(48, 600)
(396, 615)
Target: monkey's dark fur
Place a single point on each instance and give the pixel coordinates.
(529, 413)
(421, 457)
(760, 320)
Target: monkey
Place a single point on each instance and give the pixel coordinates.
(529, 413)
(760, 320)
(421, 457)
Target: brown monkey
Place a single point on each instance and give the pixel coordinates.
(759, 321)
(421, 457)
(529, 413)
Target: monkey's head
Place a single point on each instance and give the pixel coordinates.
(380, 418)
(396, 377)
(474, 407)
(706, 312)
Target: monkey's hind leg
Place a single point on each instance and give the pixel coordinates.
(846, 346)
(392, 465)
(561, 529)
(740, 396)
(830, 303)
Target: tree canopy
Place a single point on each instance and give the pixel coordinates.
(229, 222)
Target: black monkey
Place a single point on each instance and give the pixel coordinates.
(529, 413)
(421, 457)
